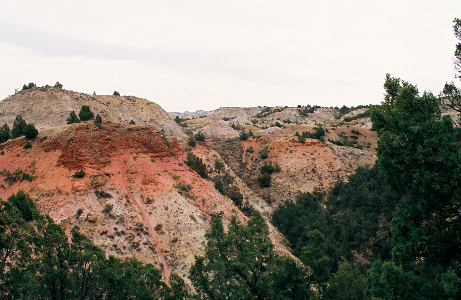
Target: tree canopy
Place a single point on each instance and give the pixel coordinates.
(241, 264)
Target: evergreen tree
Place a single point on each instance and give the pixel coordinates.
(85, 113)
(30, 131)
(73, 118)
(18, 127)
(4, 133)
(241, 264)
(418, 153)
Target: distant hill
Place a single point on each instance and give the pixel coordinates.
(47, 107)
(187, 113)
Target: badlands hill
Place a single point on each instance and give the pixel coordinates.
(50, 107)
(130, 201)
(139, 198)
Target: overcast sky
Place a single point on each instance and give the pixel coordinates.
(190, 55)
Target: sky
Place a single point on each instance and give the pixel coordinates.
(206, 54)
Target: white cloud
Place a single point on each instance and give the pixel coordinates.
(188, 55)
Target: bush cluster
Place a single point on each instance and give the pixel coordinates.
(196, 164)
(318, 134)
(266, 171)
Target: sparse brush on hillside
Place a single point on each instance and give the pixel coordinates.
(191, 141)
(307, 110)
(318, 134)
(266, 171)
(244, 135)
(224, 183)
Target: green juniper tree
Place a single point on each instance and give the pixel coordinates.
(421, 159)
(18, 127)
(73, 118)
(85, 113)
(4, 133)
(241, 264)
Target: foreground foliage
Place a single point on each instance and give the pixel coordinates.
(241, 264)
(38, 262)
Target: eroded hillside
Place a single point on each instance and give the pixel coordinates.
(47, 107)
(130, 201)
(139, 198)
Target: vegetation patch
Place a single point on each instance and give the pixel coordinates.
(17, 176)
(79, 174)
(318, 134)
(196, 164)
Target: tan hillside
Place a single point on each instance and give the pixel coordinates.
(47, 107)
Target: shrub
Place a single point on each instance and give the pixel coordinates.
(236, 126)
(30, 131)
(79, 174)
(191, 141)
(28, 177)
(85, 113)
(116, 93)
(318, 135)
(200, 137)
(183, 189)
(132, 122)
(235, 195)
(97, 121)
(219, 165)
(263, 154)
(264, 180)
(278, 124)
(270, 168)
(102, 194)
(359, 116)
(245, 135)
(27, 145)
(107, 209)
(73, 118)
(31, 85)
(4, 133)
(196, 164)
